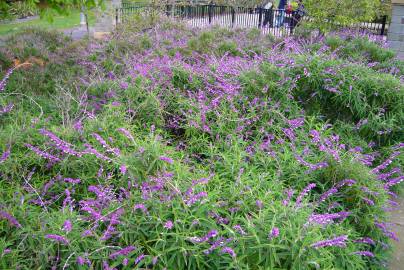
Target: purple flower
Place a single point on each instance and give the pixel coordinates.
(368, 201)
(140, 206)
(6, 108)
(386, 163)
(113, 221)
(345, 182)
(86, 233)
(91, 150)
(139, 258)
(72, 180)
(327, 194)
(365, 240)
(339, 241)
(3, 82)
(239, 229)
(60, 144)
(229, 251)
(305, 191)
(259, 204)
(391, 182)
(126, 133)
(43, 154)
(124, 85)
(67, 226)
(218, 243)
(123, 169)
(5, 155)
(289, 194)
(105, 145)
(57, 238)
(210, 234)
(11, 220)
(364, 253)
(324, 219)
(78, 125)
(166, 159)
(295, 123)
(80, 260)
(274, 233)
(122, 252)
(169, 225)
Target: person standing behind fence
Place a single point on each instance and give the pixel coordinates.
(281, 13)
(297, 14)
(268, 9)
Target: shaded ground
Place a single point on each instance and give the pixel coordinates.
(59, 22)
(397, 218)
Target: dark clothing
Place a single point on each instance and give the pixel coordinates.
(268, 17)
(297, 15)
(282, 4)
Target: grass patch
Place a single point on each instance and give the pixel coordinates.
(59, 22)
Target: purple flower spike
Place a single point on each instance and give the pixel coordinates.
(259, 204)
(364, 253)
(339, 241)
(365, 240)
(166, 159)
(5, 155)
(274, 233)
(57, 238)
(80, 260)
(169, 225)
(122, 252)
(327, 194)
(139, 258)
(229, 251)
(305, 191)
(11, 220)
(67, 226)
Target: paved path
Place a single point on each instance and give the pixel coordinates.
(105, 20)
(397, 218)
(77, 32)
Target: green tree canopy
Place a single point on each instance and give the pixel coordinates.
(49, 7)
(325, 14)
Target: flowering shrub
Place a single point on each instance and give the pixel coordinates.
(173, 149)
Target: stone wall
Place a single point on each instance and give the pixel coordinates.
(396, 29)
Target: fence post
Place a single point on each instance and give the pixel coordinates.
(384, 21)
(292, 22)
(116, 17)
(260, 18)
(233, 16)
(210, 13)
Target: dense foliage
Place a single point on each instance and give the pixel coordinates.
(175, 148)
(46, 8)
(341, 13)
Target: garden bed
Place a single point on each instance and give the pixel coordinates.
(167, 147)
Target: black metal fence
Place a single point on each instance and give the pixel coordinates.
(270, 21)
(377, 27)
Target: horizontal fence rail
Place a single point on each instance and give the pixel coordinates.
(277, 22)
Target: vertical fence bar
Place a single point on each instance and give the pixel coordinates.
(116, 17)
(260, 18)
(210, 13)
(268, 20)
(384, 20)
(233, 16)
